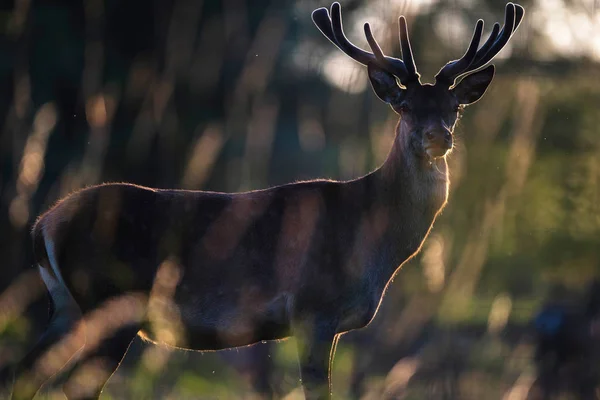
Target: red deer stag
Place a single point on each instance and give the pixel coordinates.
(309, 259)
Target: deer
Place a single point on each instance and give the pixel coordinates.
(307, 259)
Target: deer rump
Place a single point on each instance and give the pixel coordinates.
(236, 268)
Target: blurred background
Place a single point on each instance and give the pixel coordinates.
(233, 95)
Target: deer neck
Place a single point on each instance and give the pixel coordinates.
(409, 182)
(411, 192)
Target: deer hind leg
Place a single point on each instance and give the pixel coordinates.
(97, 365)
(63, 338)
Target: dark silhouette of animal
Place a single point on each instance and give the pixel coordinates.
(208, 271)
(567, 335)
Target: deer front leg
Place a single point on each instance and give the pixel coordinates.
(315, 351)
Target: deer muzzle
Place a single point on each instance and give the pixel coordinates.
(437, 142)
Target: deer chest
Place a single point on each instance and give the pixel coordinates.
(358, 314)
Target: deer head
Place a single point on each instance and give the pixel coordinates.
(428, 113)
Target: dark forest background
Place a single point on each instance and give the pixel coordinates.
(232, 95)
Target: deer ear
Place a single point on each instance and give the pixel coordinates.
(384, 84)
(473, 86)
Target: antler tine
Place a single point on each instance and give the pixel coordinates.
(488, 43)
(496, 41)
(519, 13)
(332, 28)
(328, 27)
(391, 64)
(454, 68)
(321, 19)
(342, 41)
(373, 43)
(407, 54)
(510, 25)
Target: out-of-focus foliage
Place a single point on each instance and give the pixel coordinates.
(236, 94)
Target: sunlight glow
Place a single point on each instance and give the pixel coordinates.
(414, 6)
(433, 263)
(399, 377)
(203, 156)
(344, 73)
(21, 293)
(521, 388)
(499, 313)
(32, 164)
(571, 29)
(453, 29)
(96, 111)
(163, 314)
